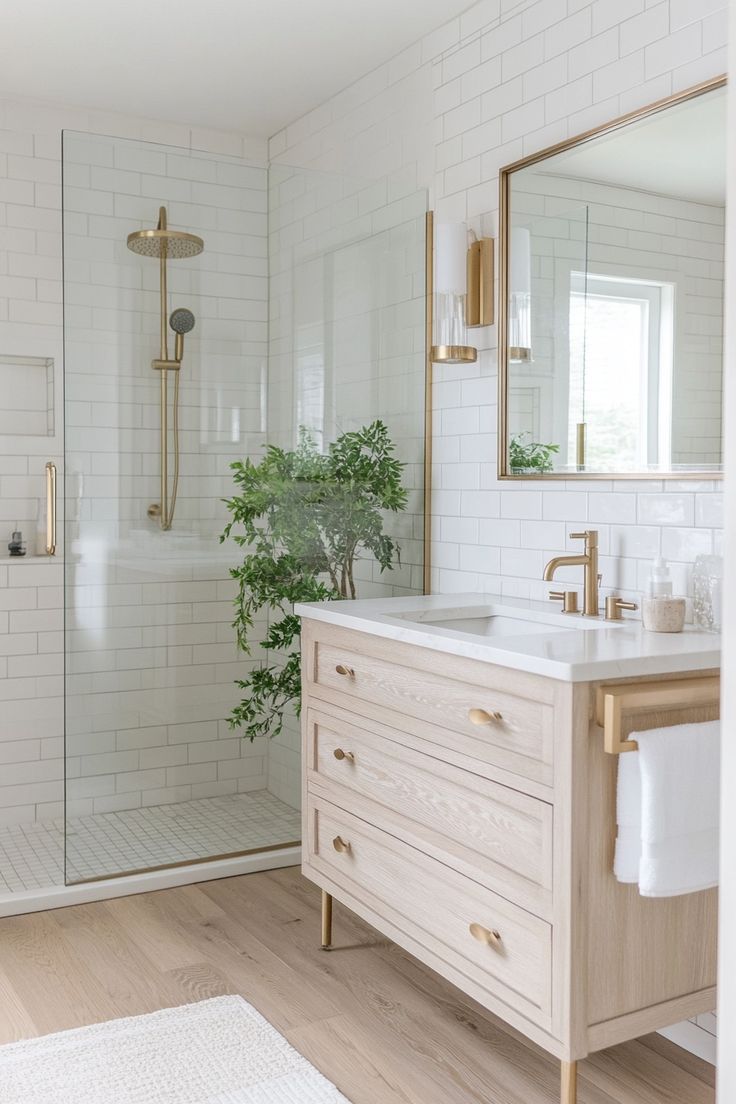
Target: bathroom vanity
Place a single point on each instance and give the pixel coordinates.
(458, 797)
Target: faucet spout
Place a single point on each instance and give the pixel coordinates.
(562, 561)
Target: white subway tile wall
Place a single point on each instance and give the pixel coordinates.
(504, 80)
(31, 691)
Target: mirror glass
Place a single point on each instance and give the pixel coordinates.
(614, 264)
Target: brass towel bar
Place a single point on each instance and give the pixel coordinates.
(613, 701)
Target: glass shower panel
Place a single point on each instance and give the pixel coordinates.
(347, 346)
(154, 775)
(348, 319)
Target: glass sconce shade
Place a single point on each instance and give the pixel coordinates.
(449, 333)
(520, 295)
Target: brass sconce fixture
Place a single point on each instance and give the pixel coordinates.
(479, 302)
(463, 292)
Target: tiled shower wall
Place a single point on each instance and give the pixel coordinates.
(31, 605)
(503, 80)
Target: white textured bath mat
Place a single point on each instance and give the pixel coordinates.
(219, 1051)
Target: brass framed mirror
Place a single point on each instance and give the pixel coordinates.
(611, 270)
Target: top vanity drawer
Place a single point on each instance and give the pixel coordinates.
(492, 715)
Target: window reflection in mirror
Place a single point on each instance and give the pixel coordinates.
(618, 245)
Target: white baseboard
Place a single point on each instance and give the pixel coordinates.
(691, 1037)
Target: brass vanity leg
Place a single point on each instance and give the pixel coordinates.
(326, 920)
(569, 1083)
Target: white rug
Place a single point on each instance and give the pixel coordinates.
(218, 1051)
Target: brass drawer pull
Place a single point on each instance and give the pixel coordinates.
(340, 845)
(489, 936)
(348, 672)
(347, 755)
(482, 716)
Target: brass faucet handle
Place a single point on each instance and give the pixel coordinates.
(614, 605)
(569, 599)
(590, 536)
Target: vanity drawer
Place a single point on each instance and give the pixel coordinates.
(490, 832)
(487, 720)
(457, 926)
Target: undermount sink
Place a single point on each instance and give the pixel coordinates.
(499, 621)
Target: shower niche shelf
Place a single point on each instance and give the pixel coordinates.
(27, 387)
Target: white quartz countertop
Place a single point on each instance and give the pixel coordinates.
(560, 646)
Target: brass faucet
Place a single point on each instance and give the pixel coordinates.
(589, 560)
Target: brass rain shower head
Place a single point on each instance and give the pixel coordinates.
(169, 243)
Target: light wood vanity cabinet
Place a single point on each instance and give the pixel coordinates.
(468, 812)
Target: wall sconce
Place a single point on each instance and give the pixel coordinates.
(520, 295)
(463, 294)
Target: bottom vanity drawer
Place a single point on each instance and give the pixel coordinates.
(452, 923)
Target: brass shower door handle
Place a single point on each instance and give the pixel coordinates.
(50, 508)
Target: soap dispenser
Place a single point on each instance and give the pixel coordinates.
(16, 544)
(660, 612)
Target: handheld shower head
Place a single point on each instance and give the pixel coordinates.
(181, 321)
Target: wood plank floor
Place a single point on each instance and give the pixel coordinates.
(381, 1026)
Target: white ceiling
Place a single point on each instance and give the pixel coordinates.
(680, 152)
(246, 65)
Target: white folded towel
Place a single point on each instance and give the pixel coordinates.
(668, 810)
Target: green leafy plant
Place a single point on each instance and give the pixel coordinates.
(304, 517)
(530, 456)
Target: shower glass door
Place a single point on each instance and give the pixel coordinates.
(154, 774)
